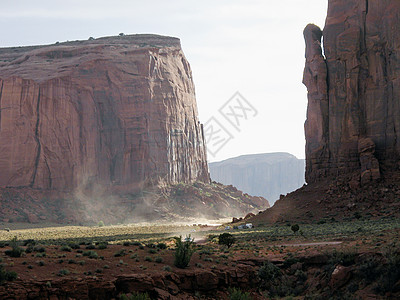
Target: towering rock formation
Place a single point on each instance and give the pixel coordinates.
(117, 112)
(268, 175)
(353, 118)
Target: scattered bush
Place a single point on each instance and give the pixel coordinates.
(74, 246)
(159, 260)
(269, 272)
(162, 246)
(100, 224)
(7, 275)
(15, 251)
(167, 268)
(295, 228)
(120, 253)
(102, 245)
(63, 272)
(345, 258)
(39, 248)
(29, 242)
(66, 248)
(237, 294)
(148, 258)
(135, 296)
(183, 252)
(91, 254)
(226, 239)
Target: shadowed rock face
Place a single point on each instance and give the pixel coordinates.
(117, 111)
(353, 118)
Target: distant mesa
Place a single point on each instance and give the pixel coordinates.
(268, 175)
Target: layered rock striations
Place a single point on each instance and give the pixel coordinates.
(353, 82)
(118, 112)
(268, 175)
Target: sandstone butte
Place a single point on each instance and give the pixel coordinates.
(353, 82)
(352, 74)
(105, 129)
(118, 112)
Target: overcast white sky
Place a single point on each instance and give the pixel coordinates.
(255, 47)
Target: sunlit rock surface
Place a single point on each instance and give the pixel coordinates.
(119, 112)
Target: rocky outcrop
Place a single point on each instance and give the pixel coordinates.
(116, 112)
(353, 83)
(180, 284)
(268, 175)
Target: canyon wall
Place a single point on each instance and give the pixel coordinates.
(268, 175)
(119, 112)
(353, 82)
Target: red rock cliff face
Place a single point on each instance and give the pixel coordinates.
(115, 111)
(353, 118)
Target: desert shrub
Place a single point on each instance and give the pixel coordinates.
(237, 294)
(226, 239)
(74, 246)
(102, 245)
(345, 258)
(63, 272)
(290, 260)
(91, 254)
(368, 269)
(148, 258)
(167, 268)
(7, 275)
(162, 246)
(100, 224)
(389, 271)
(136, 243)
(295, 228)
(90, 247)
(66, 248)
(135, 296)
(183, 252)
(126, 243)
(15, 250)
(152, 251)
(271, 280)
(120, 253)
(159, 260)
(269, 272)
(39, 248)
(301, 275)
(29, 242)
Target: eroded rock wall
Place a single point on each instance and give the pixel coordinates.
(353, 82)
(119, 112)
